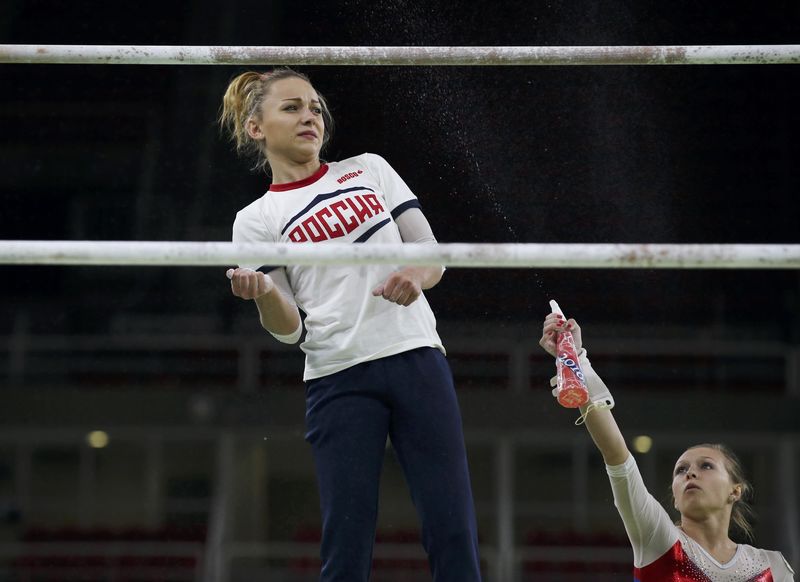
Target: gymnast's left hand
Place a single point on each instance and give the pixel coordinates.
(402, 287)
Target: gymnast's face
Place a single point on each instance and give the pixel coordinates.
(290, 121)
(701, 484)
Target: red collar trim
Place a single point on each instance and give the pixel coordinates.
(323, 169)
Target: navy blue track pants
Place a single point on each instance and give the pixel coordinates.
(409, 397)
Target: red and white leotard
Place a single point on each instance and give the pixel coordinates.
(664, 553)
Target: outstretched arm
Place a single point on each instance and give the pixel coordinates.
(607, 436)
(648, 526)
(599, 421)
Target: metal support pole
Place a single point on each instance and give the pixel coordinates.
(786, 470)
(504, 470)
(219, 525)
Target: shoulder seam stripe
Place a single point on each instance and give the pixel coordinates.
(407, 205)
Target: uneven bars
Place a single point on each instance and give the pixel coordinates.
(400, 55)
(499, 255)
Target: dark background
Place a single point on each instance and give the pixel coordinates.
(628, 154)
(662, 154)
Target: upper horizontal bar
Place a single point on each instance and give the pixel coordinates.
(568, 256)
(401, 55)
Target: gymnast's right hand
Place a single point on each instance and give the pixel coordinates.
(554, 324)
(249, 284)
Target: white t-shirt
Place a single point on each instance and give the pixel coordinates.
(356, 200)
(661, 551)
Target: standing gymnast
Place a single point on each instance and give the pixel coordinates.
(375, 365)
(708, 488)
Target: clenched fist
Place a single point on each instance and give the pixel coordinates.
(249, 284)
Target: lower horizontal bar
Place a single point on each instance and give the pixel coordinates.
(486, 255)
